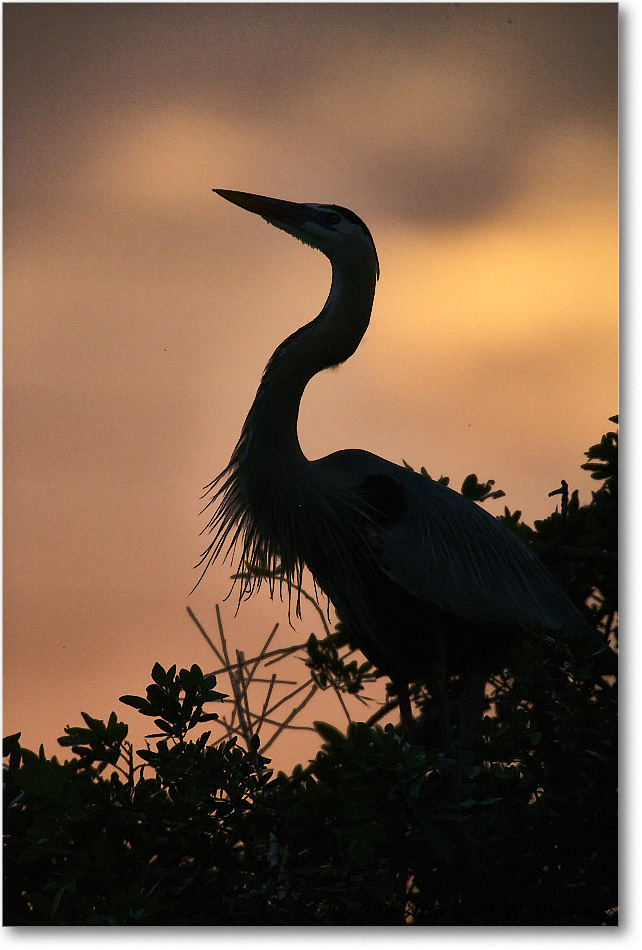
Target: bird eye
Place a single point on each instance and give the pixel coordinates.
(332, 218)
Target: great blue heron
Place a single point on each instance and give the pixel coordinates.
(427, 582)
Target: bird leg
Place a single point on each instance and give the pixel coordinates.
(405, 710)
(472, 703)
(440, 681)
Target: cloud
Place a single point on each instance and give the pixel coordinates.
(477, 140)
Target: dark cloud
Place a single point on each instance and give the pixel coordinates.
(527, 67)
(139, 311)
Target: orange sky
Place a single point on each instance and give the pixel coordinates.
(479, 144)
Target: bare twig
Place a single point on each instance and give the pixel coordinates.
(222, 635)
(343, 705)
(245, 679)
(319, 610)
(284, 725)
(242, 675)
(205, 636)
(274, 722)
(261, 718)
(263, 679)
(290, 695)
(263, 651)
(286, 651)
(387, 707)
(278, 654)
(238, 705)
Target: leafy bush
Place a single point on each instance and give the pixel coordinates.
(197, 831)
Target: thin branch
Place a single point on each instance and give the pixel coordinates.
(263, 651)
(242, 674)
(318, 609)
(387, 707)
(294, 692)
(263, 679)
(231, 730)
(245, 683)
(343, 705)
(233, 681)
(286, 651)
(261, 718)
(202, 631)
(222, 635)
(279, 654)
(279, 725)
(285, 724)
(236, 730)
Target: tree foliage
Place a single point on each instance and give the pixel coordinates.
(194, 830)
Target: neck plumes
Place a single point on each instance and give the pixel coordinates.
(267, 489)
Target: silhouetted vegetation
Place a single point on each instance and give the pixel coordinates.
(199, 831)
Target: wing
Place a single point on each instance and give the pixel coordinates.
(446, 550)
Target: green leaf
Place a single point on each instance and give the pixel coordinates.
(166, 726)
(329, 733)
(159, 675)
(142, 705)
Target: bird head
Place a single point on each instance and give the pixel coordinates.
(335, 231)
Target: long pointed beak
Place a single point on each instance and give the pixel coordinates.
(272, 209)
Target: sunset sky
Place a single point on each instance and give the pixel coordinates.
(479, 144)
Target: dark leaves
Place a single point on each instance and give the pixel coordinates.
(373, 830)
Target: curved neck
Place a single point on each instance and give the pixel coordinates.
(270, 435)
(267, 491)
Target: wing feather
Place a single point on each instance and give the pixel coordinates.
(446, 550)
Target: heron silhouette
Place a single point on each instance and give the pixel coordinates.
(427, 582)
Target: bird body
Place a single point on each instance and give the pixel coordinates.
(417, 572)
